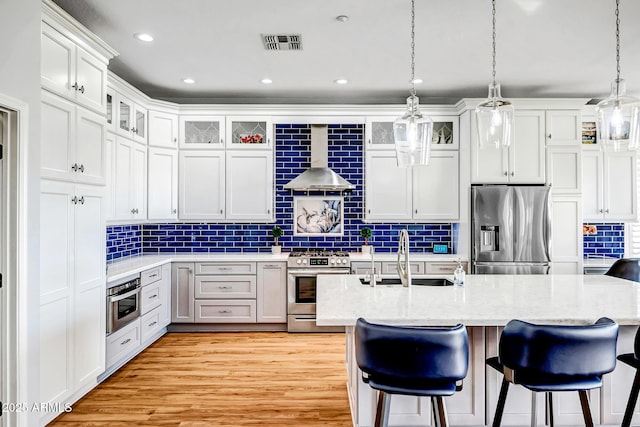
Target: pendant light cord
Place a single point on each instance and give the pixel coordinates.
(413, 48)
(617, 47)
(493, 13)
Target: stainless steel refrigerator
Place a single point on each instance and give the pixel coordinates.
(511, 229)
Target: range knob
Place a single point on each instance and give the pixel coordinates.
(304, 261)
(299, 261)
(333, 260)
(344, 261)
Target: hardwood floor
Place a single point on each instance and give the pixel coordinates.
(224, 379)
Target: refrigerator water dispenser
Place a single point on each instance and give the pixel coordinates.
(489, 238)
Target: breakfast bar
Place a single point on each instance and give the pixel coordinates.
(485, 304)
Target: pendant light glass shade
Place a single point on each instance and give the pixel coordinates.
(618, 120)
(494, 120)
(412, 134)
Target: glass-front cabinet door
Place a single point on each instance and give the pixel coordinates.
(249, 132)
(125, 107)
(379, 133)
(202, 132)
(111, 112)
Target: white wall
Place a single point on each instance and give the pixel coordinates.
(20, 79)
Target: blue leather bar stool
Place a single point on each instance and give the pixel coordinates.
(411, 361)
(625, 268)
(550, 358)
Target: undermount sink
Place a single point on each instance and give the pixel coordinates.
(414, 281)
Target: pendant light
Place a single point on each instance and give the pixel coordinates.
(494, 117)
(412, 132)
(618, 116)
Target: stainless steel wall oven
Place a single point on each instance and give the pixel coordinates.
(123, 303)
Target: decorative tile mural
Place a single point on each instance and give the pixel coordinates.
(292, 157)
(607, 241)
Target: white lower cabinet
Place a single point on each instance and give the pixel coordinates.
(225, 311)
(123, 342)
(150, 324)
(72, 291)
(182, 292)
(271, 297)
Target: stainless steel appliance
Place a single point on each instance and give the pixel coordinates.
(303, 268)
(511, 229)
(123, 303)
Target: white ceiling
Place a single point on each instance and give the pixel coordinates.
(546, 48)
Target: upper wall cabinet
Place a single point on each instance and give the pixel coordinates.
(72, 72)
(202, 132)
(249, 132)
(521, 163)
(563, 127)
(73, 144)
(163, 129)
(132, 119)
(379, 133)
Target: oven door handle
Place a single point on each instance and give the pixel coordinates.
(317, 272)
(117, 298)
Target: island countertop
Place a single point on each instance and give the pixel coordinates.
(484, 300)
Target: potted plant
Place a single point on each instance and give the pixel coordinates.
(365, 233)
(276, 232)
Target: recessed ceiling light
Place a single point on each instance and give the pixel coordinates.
(266, 81)
(342, 18)
(416, 81)
(341, 81)
(189, 81)
(143, 37)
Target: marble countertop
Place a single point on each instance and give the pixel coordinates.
(598, 261)
(124, 267)
(485, 300)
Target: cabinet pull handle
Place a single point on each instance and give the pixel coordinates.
(128, 340)
(224, 311)
(505, 173)
(268, 211)
(81, 168)
(369, 211)
(75, 86)
(153, 323)
(153, 275)
(369, 141)
(74, 167)
(74, 200)
(81, 200)
(224, 287)
(153, 296)
(224, 268)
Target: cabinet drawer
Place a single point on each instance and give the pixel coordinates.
(442, 267)
(151, 275)
(151, 297)
(225, 311)
(122, 342)
(388, 267)
(150, 324)
(225, 268)
(241, 286)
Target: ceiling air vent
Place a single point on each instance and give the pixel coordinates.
(282, 42)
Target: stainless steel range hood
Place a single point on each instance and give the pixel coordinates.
(319, 177)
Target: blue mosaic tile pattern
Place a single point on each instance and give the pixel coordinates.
(123, 241)
(292, 157)
(609, 241)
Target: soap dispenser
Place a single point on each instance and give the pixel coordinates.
(458, 275)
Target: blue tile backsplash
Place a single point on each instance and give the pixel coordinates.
(292, 157)
(123, 241)
(608, 241)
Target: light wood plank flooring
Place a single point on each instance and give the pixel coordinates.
(224, 379)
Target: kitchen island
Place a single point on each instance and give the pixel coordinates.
(484, 305)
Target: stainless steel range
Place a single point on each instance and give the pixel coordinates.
(303, 268)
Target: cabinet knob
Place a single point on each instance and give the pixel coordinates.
(369, 141)
(81, 168)
(506, 173)
(81, 90)
(74, 167)
(74, 200)
(175, 211)
(606, 210)
(175, 140)
(416, 210)
(81, 200)
(549, 136)
(513, 173)
(75, 86)
(368, 211)
(220, 211)
(269, 211)
(221, 141)
(601, 210)
(133, 211)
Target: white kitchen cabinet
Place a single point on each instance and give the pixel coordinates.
(131, 119)
(364, 267)
(110, 109)
(162, 188)
(436, 188)
(182, 292)
(563, 127)
(388, 188)
(249, 185)
(617, 385)
(163, 129)
(72, 293)
(123, 343)
(73, 142)
(564, 169)
(425, 193)
(110, 165)
(165, 317)
(71, 71)
(225, 287)
(609, 186)
(391, 267)
(225, 311)
(521, 163)
(130, 180)
(566, 234)
(271, 297)
(201, 192)
(202, 132)
(379, 133)
(249, 132)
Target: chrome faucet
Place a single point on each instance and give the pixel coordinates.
(404, 269)
(374, 279)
